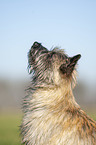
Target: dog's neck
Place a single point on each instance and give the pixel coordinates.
(58, 97)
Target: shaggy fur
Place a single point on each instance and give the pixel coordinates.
(51, 114)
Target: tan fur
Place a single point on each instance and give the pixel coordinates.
(57, 119)
(69, 124)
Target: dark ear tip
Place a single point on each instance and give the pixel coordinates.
(36, 44)
(76, 58)
(79, 56)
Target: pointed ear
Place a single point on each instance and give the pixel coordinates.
(72, 64)
(74, 59)
(69, 67)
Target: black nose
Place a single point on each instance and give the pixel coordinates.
(36, 44)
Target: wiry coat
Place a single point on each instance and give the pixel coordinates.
(51, 114)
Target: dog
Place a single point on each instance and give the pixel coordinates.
(51, 114)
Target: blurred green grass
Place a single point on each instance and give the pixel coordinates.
(9, 129)
(92, 115)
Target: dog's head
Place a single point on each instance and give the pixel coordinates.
(51, 67)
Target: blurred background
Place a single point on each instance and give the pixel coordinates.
(70, 25)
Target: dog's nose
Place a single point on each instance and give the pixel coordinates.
(36, 44)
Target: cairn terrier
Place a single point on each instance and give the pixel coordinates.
(51, 114)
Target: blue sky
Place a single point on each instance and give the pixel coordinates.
(70, 24)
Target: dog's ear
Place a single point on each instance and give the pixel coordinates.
(70, 65)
